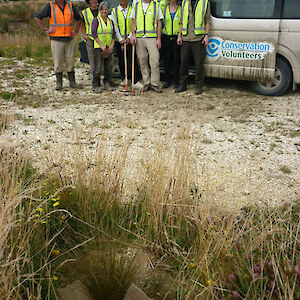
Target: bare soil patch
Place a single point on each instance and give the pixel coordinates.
(244, 147)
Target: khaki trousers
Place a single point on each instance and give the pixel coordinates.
(145, 47)
(63, 51)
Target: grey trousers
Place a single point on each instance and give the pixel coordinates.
(91, 54)
(197, 51)
(106, 63)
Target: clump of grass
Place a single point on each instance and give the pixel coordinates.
(285, 170)
(107, 268)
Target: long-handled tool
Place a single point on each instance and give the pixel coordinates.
(132, 70)
(125, 65)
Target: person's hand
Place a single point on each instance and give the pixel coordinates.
(85, 36)
(179, 40)
(110, 50)
(158, 44)
(133, 40)
(123, 42)
(205, 41)
(50, 30)
(103, 48)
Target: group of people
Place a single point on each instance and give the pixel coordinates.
(175, 31)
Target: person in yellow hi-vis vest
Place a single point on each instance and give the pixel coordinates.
(103, 34)
(171, 51)
(88, 16)
(121, 17)
(193, 38)
(146, 34)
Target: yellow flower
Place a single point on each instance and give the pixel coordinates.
(56, 204)
(44, 222)
(192, 265)
(37, 216)
(40, 209)
(54, 277)
(55, 252)
(208, 282)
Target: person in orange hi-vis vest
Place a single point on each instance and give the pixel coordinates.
(61, 15)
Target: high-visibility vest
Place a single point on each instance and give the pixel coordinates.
(123, 24)
(163, 4)
(104, 32)
(199, 14)
(88, 19)
(171, 27)
(61, 21)
(146, 24)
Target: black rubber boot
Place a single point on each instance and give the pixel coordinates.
(59, 85)
(96, 84)
(73, 83)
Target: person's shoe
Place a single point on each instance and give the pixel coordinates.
(107, 86)
(72, 81)
(123, 83)
(146, 88)
(181, 88)
(97, 90)
(156, 89)
(199, 90)
(166, 85)
(176, 85)
(59, 85)
(138, 85)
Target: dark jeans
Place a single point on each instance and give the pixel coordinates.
(120, 54)
(197, 51)
(171, 52)
(107, 67)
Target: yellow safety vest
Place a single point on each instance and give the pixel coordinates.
(123, 24)
(104, 32)
(171, 27)
(88, 19)
(162, 4)
(146, 24)
(199, 14)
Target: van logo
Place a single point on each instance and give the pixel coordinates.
(213, 47)
(217, 47)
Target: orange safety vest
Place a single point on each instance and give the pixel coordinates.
(61, 21)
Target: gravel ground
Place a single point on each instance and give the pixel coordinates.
(244, 147)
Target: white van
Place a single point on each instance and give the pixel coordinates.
(255, 40)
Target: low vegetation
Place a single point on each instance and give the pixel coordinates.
(168, 238)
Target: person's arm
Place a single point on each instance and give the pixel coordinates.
(179, 39)
(133, 38)
(158, 40)
(83, 31)
(111, 47)
(116, 29)
(77, 27)
(206, 39)
(45, 12)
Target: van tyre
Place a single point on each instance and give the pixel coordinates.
(281, 84)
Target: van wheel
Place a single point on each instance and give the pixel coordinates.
(282, 81)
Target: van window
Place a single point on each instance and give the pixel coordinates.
(243, 9)
(291, 9)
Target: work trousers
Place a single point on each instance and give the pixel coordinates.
(146, 48)
(120, 54)
(91, 54)
(197, 51)
(171, 52)
(63, 52)
(106, 64)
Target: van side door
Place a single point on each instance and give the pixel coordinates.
(243, 39)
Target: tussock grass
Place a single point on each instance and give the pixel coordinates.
(197, 248)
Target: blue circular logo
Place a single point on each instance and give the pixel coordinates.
(213, 47)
